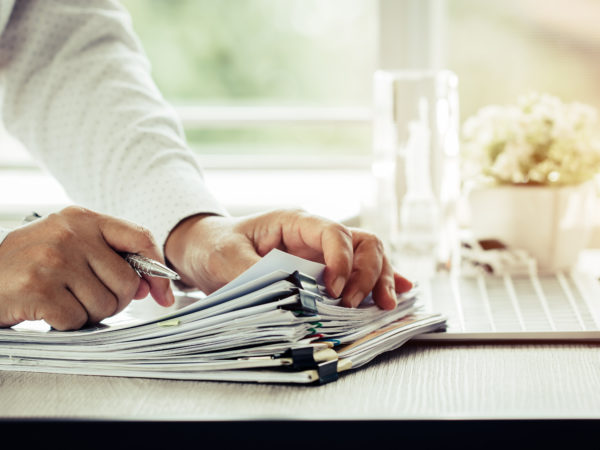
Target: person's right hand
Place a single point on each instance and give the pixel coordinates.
(65, 269)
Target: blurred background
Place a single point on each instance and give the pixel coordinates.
(279, 92)
(314, 53)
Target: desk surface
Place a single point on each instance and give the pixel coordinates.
(425, 381)
(418, 381)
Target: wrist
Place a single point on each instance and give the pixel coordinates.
(182, 241)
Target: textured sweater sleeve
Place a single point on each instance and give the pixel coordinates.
(79, 95)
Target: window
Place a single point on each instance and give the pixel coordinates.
(265, 77)
(269, 85)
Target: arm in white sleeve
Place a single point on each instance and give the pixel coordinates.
(79, 95)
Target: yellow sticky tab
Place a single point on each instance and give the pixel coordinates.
(327, 354)
(343, 365)
(169, 323)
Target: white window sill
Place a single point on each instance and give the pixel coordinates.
(336, 194)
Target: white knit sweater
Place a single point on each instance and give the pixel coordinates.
(77, 92)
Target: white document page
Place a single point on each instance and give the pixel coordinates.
(274, 261)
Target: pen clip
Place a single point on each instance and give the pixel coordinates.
(31, 218)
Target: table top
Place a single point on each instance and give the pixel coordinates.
(418, 381)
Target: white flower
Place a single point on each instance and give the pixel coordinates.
(541, 140)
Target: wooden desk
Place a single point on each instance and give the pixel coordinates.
(418, 381)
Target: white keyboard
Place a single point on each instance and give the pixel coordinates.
(562, 306)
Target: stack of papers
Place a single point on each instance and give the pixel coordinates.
(272, 324)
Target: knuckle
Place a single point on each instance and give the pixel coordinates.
(295, 211)
(64, 235)
(50, 257)
(288, 214)
(76, 211)
(54, 221)
(146, 237)
(374, 242)
(369, 241)
(60, 232)
(340, 229)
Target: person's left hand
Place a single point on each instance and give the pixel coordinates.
(209, 251)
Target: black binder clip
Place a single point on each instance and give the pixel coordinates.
(302, 358)
(308, 301)
(306, 305)
(328, 372)
(305, 282)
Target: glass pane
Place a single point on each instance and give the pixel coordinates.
(290, 140)
(501, 50)
(264, 52)
(300, 51)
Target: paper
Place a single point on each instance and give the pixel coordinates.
(246, 331)
(274, 261)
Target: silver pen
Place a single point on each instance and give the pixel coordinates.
(139, 263)
(147, 266)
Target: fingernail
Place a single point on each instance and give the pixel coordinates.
(356, 299)
(338, 286)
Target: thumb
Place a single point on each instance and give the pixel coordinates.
(123, 236)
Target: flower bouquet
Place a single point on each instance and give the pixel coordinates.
(529, 169)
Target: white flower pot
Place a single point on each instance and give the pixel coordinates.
(552, 224)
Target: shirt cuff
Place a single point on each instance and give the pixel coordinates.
(167, 194)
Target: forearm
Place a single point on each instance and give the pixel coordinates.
(80, 97)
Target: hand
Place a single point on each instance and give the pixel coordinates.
(209, 251)
(65, 269)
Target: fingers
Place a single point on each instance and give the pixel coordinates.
(309, 236)
(402, 284)
(356, 264)
(370, 268)
(97, 300)
(142, 291)
(354, 259)
(126, 237)
(373, 272)
(64, 313)
(338, 255)
(384, 292)
(116, 275)
(65, 269)
(209, 251)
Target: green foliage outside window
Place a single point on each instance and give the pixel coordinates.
(263, 52)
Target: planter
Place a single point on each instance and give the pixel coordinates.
(553, 224)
